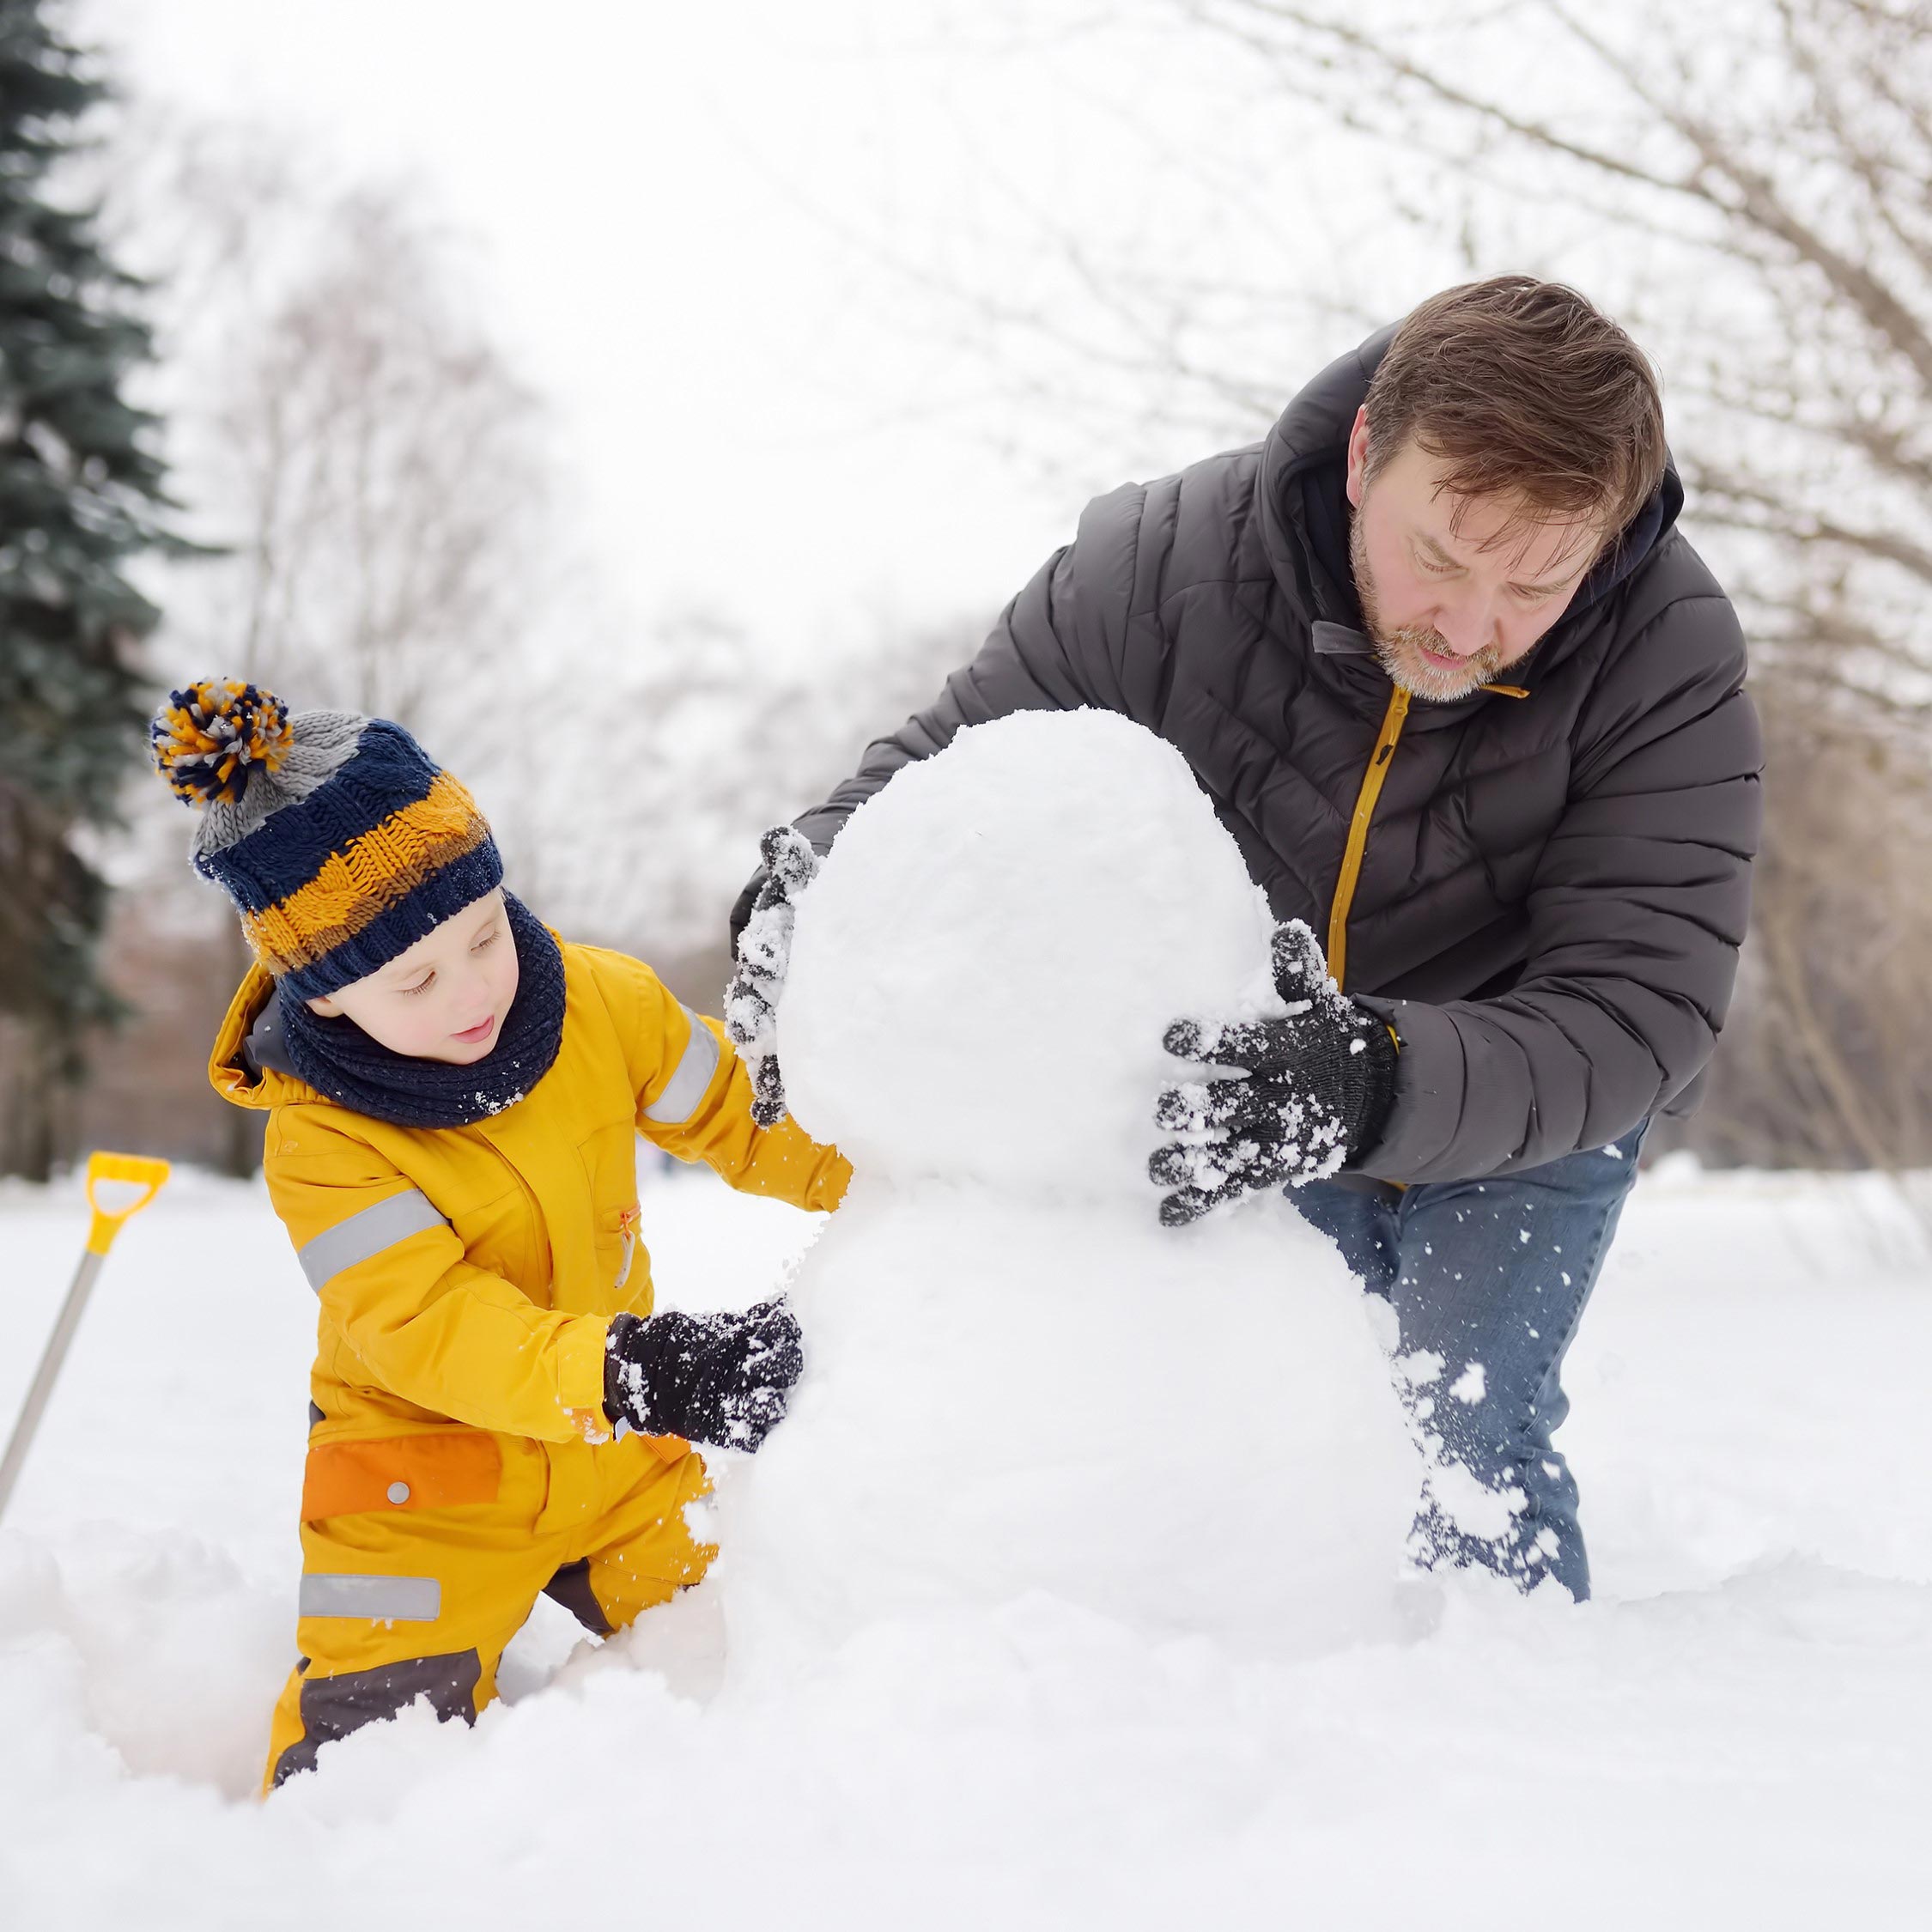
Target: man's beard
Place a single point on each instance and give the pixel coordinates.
(1398, 648)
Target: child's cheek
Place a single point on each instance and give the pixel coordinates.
(428, 1021)
(417, 1027)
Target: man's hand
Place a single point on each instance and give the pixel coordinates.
(722, 1380)
(764, 950)
(1311, 1090)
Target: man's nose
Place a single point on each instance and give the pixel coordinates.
(1466, 624)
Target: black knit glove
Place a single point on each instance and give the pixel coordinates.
(762, 944)
(1317, 1090)
(720, 1379)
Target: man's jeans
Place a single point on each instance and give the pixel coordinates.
(1488, 1279)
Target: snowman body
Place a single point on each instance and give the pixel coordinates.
(1017, 1381)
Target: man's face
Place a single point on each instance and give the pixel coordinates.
(444, 999)
(1448, 611)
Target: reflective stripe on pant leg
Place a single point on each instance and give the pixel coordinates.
(333, 1707)
(488, 1564)
(388, 1600)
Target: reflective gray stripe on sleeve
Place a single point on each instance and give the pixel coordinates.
(366, 1234)
(388, 1600)
(685, 1088)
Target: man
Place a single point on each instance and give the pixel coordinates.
(1473, 708)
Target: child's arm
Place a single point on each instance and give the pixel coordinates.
(394, 1281)
(719, 1130)
(694, 1095)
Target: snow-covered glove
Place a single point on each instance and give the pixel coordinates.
(763, 948)
(1312, 1090)
(720, 1379)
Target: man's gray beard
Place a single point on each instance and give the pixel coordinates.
(1397, 646)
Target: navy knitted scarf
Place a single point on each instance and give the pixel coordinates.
(336, 1057)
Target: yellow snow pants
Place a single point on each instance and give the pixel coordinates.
(423, 1555)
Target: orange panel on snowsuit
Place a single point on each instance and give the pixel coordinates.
(423, 1472)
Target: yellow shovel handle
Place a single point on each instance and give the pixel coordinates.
(137, 1168)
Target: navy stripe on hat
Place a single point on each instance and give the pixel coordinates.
(275, 862)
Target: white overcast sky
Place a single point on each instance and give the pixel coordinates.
(753, 416)
(684, 218)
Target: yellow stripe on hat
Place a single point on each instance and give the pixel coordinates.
(375, 871)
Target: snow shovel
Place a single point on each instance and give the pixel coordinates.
(133, 1170)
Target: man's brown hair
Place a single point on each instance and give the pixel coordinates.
(1527, 392)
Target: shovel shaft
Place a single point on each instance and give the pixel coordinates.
(47, 1374)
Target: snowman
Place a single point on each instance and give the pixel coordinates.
(1017, 1380)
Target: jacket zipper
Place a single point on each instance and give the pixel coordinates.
(1358, 830)
(1364, 810)
(627, 1227)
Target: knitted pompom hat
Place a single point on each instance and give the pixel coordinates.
(338, 839)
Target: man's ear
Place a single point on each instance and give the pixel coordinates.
(324, 1008)
(1358, 456)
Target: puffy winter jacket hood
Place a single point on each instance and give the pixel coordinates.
(247, 1065)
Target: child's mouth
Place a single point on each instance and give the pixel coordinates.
(475, 1035)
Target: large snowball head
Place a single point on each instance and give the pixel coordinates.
(981, 973)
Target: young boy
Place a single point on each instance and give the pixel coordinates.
(453, 1099)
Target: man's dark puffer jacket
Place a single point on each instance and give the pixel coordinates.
(1554, 885)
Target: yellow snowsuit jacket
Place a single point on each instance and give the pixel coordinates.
(459, 1460)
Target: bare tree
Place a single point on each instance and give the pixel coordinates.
(375, 477)
(372, 481)
(705, 747)
(1758, 170)
(1743, 183)
(380, 473)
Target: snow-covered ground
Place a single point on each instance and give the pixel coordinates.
(1737, 1732)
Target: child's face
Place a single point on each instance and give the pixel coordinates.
(445, 999)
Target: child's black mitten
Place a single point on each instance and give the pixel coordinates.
(720, 1379)
(763, 951)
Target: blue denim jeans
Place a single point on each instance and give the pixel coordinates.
(1488, 1280)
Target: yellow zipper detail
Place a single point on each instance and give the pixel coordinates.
(1358, 830)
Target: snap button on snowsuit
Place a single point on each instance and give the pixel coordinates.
(398, 1493)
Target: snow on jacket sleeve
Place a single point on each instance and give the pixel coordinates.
(1057, 646)
(1637, 909)
(394, 1281)
(694, 1095)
